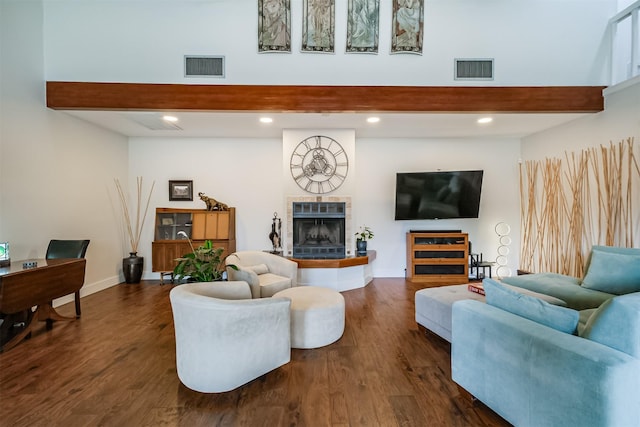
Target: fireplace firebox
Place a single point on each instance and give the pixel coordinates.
(319, 230)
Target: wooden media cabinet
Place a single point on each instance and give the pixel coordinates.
(439, 258)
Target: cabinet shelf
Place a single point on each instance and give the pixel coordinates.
(199, 225)
(437, 258)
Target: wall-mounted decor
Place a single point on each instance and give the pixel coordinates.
(319, 164)
(363, 26)
(274, 26)
(181, 191)
(567, 206)
(407, 26)
(318, 26)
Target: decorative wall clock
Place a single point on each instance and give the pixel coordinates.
(319, 164)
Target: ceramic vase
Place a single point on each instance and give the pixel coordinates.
(361, 247)
(132, 268)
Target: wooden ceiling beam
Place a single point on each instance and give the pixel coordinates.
(332, 99)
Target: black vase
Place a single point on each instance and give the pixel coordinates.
(361, 247)
(132, 268)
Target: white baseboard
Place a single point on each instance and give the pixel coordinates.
(89, 289)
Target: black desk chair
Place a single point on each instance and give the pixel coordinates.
(68, 249)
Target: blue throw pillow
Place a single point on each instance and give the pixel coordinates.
(616, 324)
(614, 273)
(532, 308)
(610, 249)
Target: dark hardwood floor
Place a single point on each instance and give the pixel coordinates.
(116, 367)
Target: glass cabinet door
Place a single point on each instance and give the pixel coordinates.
(168, 225)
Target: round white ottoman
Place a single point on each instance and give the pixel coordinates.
(317, 315)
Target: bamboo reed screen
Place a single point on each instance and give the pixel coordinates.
(568, 206)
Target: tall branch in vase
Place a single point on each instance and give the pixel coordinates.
(134, 234)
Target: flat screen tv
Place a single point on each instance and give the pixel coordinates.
(438, 195)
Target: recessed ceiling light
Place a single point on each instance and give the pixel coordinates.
(266, 120)
(485, 120)
(170, 118)
(373, 119)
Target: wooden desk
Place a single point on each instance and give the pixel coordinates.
(22, 289)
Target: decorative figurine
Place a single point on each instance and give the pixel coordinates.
(274, 236)
(213, 204)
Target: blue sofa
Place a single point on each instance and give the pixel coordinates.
(609, 271)
(529, 364)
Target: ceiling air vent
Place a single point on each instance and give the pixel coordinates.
(204, 66)
(151, 121)
(474, 69)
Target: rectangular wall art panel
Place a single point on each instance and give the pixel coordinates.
(407, 26)
(363, 26)
(274, 26)
(318, 26)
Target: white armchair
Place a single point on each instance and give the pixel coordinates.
(265, 273)
(225, 339)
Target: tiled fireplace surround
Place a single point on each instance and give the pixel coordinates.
(349, 241)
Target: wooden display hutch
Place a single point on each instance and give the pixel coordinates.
(439, 258)
(199, 225)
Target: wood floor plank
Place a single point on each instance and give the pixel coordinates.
(407, 411)
(115, 366)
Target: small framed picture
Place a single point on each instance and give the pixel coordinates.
(180, 190)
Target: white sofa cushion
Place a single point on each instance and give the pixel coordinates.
(271, 283)
(265, 273)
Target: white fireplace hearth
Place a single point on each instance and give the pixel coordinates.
(337, 274)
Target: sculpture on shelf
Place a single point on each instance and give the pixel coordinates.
(276, 232)
(213, 204)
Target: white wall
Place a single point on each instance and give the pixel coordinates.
(620, 120)
(244, 173)
(253, 176)
(55, 170)
(551, 42)
(380, 159)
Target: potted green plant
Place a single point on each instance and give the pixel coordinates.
(203, 264)
(362, 236)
